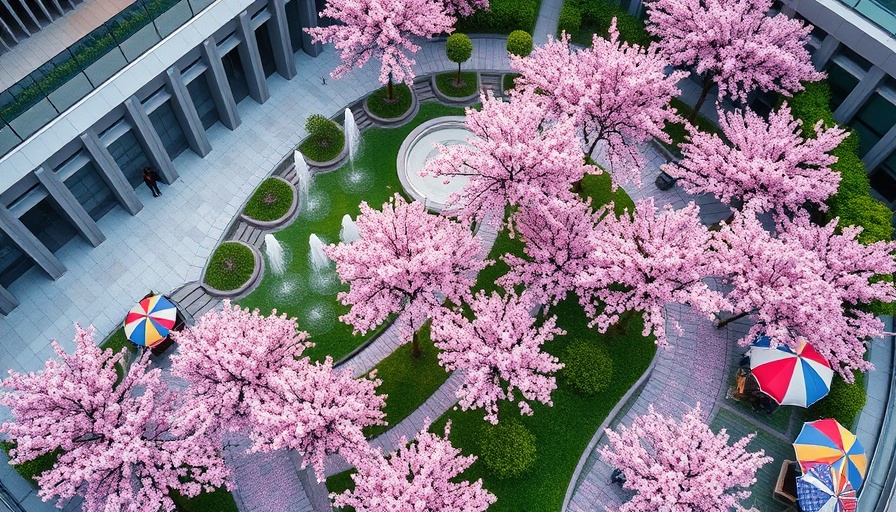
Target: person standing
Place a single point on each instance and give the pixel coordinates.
(151, 177)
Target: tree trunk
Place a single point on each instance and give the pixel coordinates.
(723, 323)
(391, 96)
(707, 83)
(577, 187)
(457, 82)
(415, 343)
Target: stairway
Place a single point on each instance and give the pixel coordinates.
(492, 82)
(193, 298)
(423, 90)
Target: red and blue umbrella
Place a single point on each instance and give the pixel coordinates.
(828, 442)
(150, 321)
(791, 377)
(823, 489)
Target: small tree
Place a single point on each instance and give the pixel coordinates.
(419, 476)
(519, 43)
(458, 48)
(682, 465)
(500, 345)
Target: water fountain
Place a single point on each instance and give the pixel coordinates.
(319, 260)
(352, 136)
(349, 232)
(304, 175)
(418, 148)
(274, 252)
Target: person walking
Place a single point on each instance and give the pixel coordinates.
(151, 177)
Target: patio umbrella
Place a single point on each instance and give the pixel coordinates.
(823, 489)
(150, 320)
(791, 377)
(827, 442)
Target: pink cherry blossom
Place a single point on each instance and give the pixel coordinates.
(513, 158)
(499, 352)
(406, 261)
(420, 476)
(767, 164)
(682, 466)
(124, 444)
(464, 7)
(383, 30)
(733, 44)
(615, 92)
(644, 260)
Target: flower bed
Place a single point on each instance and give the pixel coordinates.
(271, 201)
(230, 267)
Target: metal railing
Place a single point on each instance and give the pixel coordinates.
(32, 102)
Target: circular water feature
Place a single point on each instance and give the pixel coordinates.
(418, 148)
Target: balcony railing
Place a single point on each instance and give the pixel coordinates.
(73, 73)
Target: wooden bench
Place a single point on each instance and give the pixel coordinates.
(785, 487)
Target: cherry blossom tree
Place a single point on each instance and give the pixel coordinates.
(559, 242)
(806, 280)
(682, 465)
(499, 352)
(384, 30)
(317, 412)
(227, 358)
(124, 445)
(646, 259)
(767, 164)
(615, 92)
(464, 7)
(406, 261)
(419, 476)
(733, 44)
(512, 160)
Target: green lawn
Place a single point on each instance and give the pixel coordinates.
(378, 102)
(469, 84)
(332, 195)
(677, 131)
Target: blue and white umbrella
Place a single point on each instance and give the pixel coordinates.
(824, 489)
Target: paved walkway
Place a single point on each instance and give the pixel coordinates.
(547, 22)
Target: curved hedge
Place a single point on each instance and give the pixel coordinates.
(502, 17)
(271, 200)
(230, 266)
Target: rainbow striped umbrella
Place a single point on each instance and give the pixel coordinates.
(823, 489)
(150, 320)
(791, 377)
(827, 442)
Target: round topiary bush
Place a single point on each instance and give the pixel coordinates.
(507, 449)
(230, 266)
(519, 43)
(589, 368)
(325, 139)
(271, 200)
(458, 49)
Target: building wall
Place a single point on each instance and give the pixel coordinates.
(89, 172)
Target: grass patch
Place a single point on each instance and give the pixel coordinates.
(446, 85)
(271, 200)
(408, 382)
(502, 17)
(117, 341)
(324, 143)
(313, 300)
(230, 266)
(30, 469)
(508, 81)
(219, 500)
(677, 131)
(377, 101)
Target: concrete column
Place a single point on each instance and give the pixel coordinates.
(824, 53)
(150, 141)
(29, 244)
(859, 95)
(8, 301)
(248, 48)
(218, 85)
(881, 151)
(70, 205)
(280, 40)
(110, 172)
(308, 19)
(186, 114)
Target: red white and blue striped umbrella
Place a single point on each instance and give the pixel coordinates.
(150, 321)
(791, 377)
(824, 489)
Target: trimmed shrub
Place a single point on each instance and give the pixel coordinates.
(230, 266)
(270, 201)
(325, 139)
(502, 17)
(507, 449)
(519, 43)
(570, 19)
(843, 403)
(811, 104)
(588, 367)
(584, 18)
(863, 210)
(458, 48)
(376, 102)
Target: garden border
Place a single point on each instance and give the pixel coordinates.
(272, 224)
(462, 101)
(253, 279)
(329, 164)
(393, 122)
